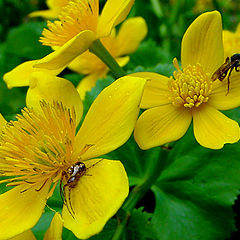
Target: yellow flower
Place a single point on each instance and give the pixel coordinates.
(28, 235)
(173, 102)
(231, 42)
(39, 149)
(79, 25)
(55, 7)
(131, 33)
(54, 231)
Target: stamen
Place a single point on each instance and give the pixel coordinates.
(190, 87)
(37, 147)
(77, 16)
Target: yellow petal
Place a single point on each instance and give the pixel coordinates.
(20, 75)
(2, 121)
(130, 35)
(114, 12)
(111, 118)
(212, 129)
(156, 90)
(21, 209)
(55, 229)
(86, 63)
(48, 14)
(122, 61)
(51, 88)
(28, 235)
(87, 83)
(230, 43)
(56, 4)
(238, 28)
(220, 98)
(96, 198)
(160, 125)
(66, 53)
(202, 42)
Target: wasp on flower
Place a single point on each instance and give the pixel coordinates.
(192, 93)
(226, 69)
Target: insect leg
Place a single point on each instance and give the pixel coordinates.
(96, 163)
(229, 80)
(62, 194)
(67, 201)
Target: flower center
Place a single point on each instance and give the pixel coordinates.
(77, 16)
(190, 87)
(37, 147)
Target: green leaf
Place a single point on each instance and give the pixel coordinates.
(107, 232)
(23, 41)
(139, 226)
(149, 54)
(195, 192)
(74, 78)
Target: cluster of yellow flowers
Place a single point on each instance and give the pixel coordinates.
(42, 148)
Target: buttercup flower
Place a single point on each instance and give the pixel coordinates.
(191, 93)
(53, 232)
(25, 235)
(41, 148)
(55, 7)
(231, 42)
(79, 25)
(55, 229)
(131, 33)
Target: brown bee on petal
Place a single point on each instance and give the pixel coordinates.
(228, 66)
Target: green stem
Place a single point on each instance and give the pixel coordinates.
(153, 172)
(101, 52)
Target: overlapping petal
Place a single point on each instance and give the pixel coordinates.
(54, 4)
(122, 61)
(223, 100)
(160, 125)
(87, 83)
(86, 63)
(48, 14)
(2, 121)
(212, 129)
(28, 235)
(55, 229)
(66, 53)
(131, 33)
(51, 88)
(55, 8)
(156, 90)
(20, 75)
(111, 118)
(96, 198)
(202, 43)
(20, 203)
(114, 12)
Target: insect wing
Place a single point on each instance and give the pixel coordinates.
(222, 71)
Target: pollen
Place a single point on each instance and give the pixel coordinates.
(77, 16)
(190, 87)
(37, 147)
